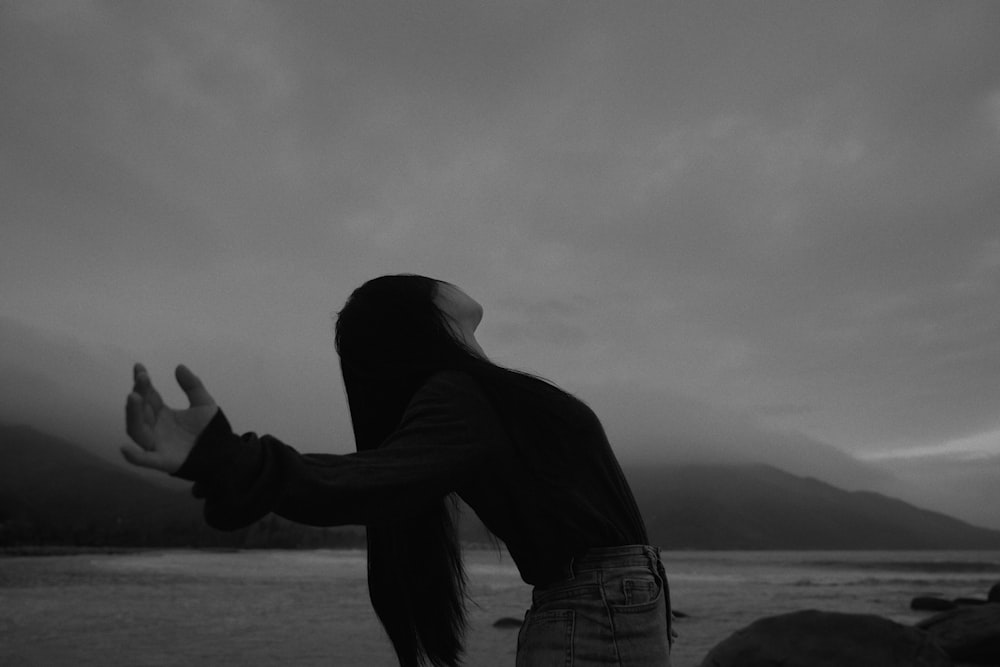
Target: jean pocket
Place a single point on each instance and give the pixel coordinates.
(546, 638)
(636, 591)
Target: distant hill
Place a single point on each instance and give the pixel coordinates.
(762, 507)
(53, 492)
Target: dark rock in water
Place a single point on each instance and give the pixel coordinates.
(994, 595)
(678, 614)
(827, 639)
(969, 602)
(926, 603)
(507, 622)
(968, 634)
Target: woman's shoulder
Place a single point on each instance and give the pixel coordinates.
(453, 397)
(456, 390)
(451, 383)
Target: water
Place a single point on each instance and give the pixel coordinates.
(311, 608)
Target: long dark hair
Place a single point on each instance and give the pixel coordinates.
(391, 337)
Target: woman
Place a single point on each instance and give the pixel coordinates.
(433, 417)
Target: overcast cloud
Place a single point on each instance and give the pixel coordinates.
(769, 228)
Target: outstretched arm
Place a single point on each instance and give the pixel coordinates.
(244, 477)
(164, 436)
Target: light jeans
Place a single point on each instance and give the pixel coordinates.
(613, 608)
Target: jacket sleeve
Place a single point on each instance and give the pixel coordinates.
(243, 478)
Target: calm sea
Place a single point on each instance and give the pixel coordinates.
(311, 608)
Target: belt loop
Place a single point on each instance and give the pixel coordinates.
(652, 556)
(570, 570)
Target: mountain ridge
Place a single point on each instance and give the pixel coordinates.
(52, 491)
(759, 506)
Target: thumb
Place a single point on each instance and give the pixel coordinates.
(138, 456)
(192, 386)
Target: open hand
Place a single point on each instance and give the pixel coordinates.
(164, 436)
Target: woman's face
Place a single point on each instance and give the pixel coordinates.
(464, 313)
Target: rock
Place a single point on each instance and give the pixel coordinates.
(994, 595)
(967, 634)
(926, 603)
(827, 639)
(507, 622)
(969, 602)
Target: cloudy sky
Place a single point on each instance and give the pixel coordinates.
(739, 230)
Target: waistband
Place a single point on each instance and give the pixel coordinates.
(611, 557)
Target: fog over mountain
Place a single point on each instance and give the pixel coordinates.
(740, 231)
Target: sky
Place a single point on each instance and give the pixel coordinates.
(739, 230)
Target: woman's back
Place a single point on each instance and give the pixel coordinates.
(545, 515)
